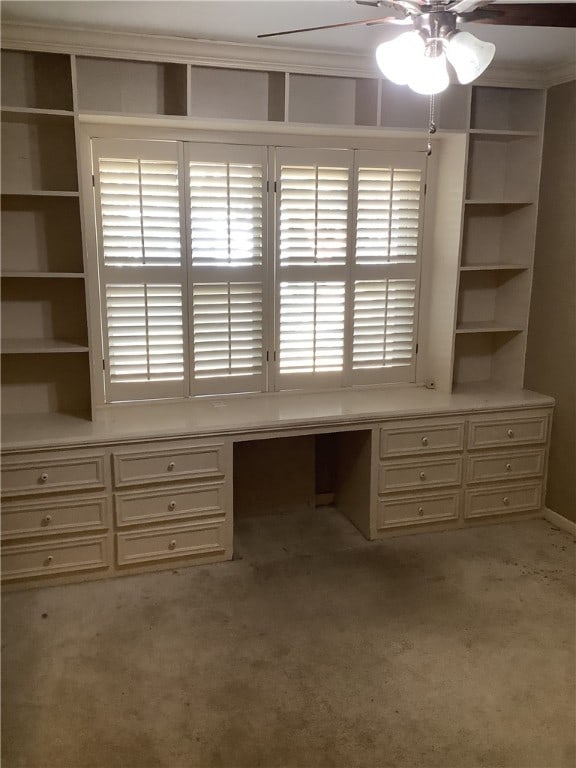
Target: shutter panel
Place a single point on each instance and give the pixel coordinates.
(227, 330)
(313, 215)
(384, 312)
(386, 266)
(226, 188)
(138, 192)
(311, 327)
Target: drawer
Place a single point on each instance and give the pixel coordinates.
(54, 515)
(504, 499)
(47, 473)
(202, 538)
(136, 507)
(516, 429)
(55, 557)
(507, 465)
(421, 438)
(415, 510)
(173, 462)
(419, 473)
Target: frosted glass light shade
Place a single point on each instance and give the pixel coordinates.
(430, 76)
(469, 56)
(399, 57)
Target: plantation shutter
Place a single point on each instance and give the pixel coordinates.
(226, 187)
(386, 265)
(137, 187)
(312, 219)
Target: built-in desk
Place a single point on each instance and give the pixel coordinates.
(148, 486)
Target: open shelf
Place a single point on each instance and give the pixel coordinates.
(484, 358)
(402, 108)
(40, 346)
(516, 109)
(131, 87)
(43, 275)
(45, 384)
(43, 313)
(334, 100)
(33, 112)
(41, 236)
(494, 268)
(31, 79)
(492, 301)
(506, 170)
(237, 94)
(38, 152)
(498, 235)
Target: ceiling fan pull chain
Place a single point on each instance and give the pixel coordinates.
(431, 123)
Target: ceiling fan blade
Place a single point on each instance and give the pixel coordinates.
(382, 20)
(466, 6)
(526, 15)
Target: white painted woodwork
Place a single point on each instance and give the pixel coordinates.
(174, 462)
(49, 473)
(503, 500)
(426, 436)
(507, 465)
(417, 509)
(54, 558)
(410, 475)
(517, 428)
(151, 506)
(507, 109)
(54, 515)
(192, 539)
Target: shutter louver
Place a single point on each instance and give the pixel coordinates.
(311, 327)
(226, 214)
(140, 212)
(388, 215)
(145, 332)
(313, 215)
(227, 329)
(384, 312)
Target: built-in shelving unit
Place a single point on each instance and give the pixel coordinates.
(498, 235)
(45, 336)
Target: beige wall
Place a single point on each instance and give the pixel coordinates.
(551, 356)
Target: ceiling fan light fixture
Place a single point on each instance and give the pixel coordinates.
(430, 76)
(398, 58)
(469, 56)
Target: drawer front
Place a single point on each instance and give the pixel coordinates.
(508, 465)
(54, 558)
(140, 547)
(54, 515)
(47, 474)
(514, 430)
(416, 510)
(503, 500)
(421, 438)
(139, 507)
(421, 473)
(169, 464)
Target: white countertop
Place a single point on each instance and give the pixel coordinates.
(204, 417)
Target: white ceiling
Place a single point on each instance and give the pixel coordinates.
(242, 20)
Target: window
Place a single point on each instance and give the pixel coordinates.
(232, 268)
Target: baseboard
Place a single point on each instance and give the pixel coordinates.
(560, 521)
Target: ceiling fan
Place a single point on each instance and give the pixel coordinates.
(418, 58)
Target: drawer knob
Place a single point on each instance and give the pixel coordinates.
(420, 511)
(422, 475)
(48, 560)
(424, 441)
(506, 501)
(172, 544)
(172, 505)
(171, 466)
(510, 432)
(47, 519)
(508, 467)
(44, 477)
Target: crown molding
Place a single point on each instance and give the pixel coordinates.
(146, 47)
